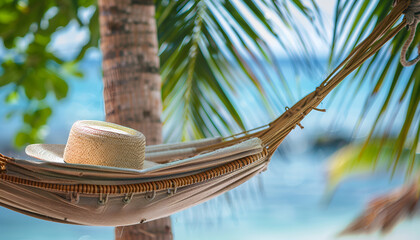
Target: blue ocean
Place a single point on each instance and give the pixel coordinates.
(288, 201)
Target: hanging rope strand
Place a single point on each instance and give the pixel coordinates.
(412, 15)
(382, 33)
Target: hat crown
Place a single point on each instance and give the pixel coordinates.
(106, 144)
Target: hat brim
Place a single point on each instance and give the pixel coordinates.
(55, 152)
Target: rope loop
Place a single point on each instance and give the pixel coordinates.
(287, 111)
(412, 16)
(150, 195)
(74, 197)
(173, 190)
(102, 201)
(127, 198)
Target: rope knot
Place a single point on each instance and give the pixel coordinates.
(412, 16)
(412, 13)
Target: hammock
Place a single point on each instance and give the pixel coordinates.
(188, 173)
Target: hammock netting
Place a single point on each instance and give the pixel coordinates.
(187, 174)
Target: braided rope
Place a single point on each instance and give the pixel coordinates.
(381, 34)
(143, 187)
(412, 16)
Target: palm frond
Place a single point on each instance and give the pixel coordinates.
(394, 91)
(385, 212)
(215, 52)
(377, 154)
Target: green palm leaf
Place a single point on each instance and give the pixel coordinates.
(212, 51)
(348, 161)
(395, 89)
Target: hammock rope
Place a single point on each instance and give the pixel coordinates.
(176, 185)
(276, 131)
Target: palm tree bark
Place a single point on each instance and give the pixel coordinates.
(132, 84)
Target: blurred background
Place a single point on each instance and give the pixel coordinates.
(263, 56)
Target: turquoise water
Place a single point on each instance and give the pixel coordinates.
(285, 202)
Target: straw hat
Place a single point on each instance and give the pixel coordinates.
(96, 143)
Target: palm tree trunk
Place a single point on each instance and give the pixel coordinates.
(132, 84)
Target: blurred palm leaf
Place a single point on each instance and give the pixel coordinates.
(213, 52)
(392, 87)
(386, 211)
(350, 160)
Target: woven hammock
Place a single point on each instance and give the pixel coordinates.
(187, 174)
